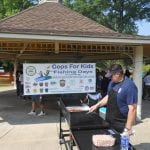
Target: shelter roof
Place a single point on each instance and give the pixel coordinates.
(49, 29)
(55, 19)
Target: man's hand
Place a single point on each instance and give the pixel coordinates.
(101, 103)
(93, 108)
(128, 132)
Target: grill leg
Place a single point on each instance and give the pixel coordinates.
(60, 125)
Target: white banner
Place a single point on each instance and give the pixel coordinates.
(59, 78)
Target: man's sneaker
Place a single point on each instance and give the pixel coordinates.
(41, 113)
(32, 113)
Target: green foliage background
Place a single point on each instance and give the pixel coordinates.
(10, 7)
(119, 15)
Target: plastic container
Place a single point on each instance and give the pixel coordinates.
(124, 142)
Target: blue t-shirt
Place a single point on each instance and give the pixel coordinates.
(127, 94)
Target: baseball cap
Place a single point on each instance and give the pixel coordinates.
(113, 69)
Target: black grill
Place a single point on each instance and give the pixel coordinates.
(81, 120)
(82, 126)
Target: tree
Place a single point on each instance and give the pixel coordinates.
(9, 7)
(2, 9)
(119, 15)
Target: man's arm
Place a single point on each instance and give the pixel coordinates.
(131, 116)
(101, 103)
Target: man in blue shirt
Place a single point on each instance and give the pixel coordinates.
(121, 100)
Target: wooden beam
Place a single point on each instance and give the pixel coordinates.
(56, 47)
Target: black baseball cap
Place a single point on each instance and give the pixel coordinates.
(113, 69)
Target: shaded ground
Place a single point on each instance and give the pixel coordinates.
(19, 131)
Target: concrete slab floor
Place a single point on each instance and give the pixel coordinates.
(19, 131)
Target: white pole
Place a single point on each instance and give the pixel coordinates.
(137, 77)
